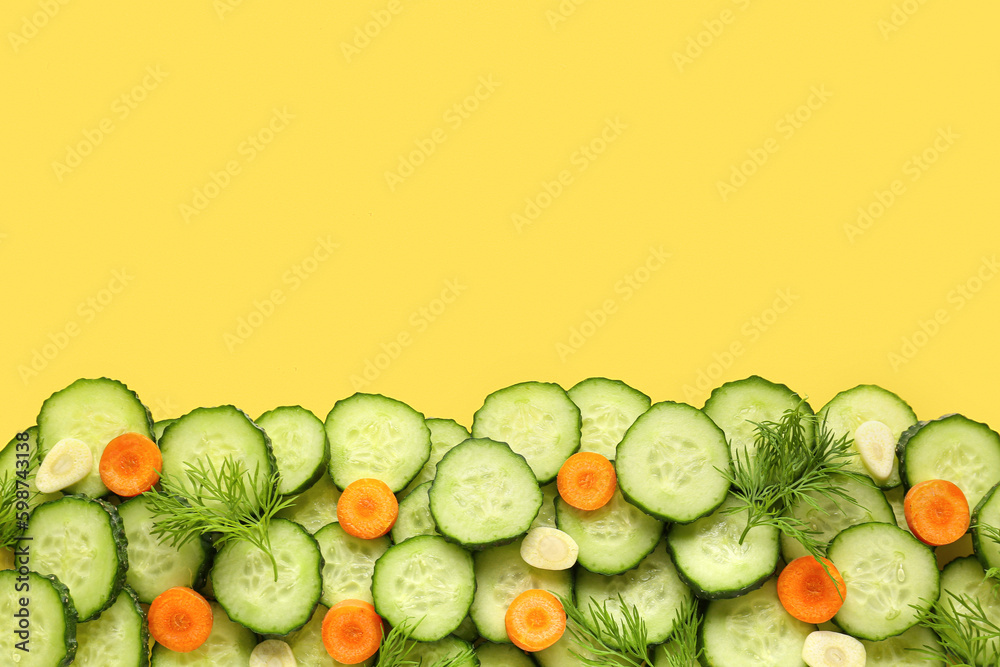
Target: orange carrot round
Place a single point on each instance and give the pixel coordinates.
(130, 464)
(180, 619)
(367, 509)
(587, 481)
(535, 620)
(937, 512)
(807, 592)
(352, 631)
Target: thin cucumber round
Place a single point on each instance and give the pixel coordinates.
(118, 638)
(964, 578)
(901, 650)
(348, 563)
(886, 570)
(867, 402)
(414, 515)
(607, 409)
(49, 640)
(547, 514)
(298, 440)
(229, 645)
(24, 449)
(445, 434)
(987, 515)
(243, 580)
(372, 436)
(315, 507)
(670, 463)
(425, 579)
(426, 654)
(539, 422)
(502, 655)
(483, 494)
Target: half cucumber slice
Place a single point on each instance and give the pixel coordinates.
(608, 408)
(298, 440)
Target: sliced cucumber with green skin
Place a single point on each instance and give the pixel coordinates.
(467, 630)
(348, 563)
(372, 436)
(307, 644)
(546, 517)
(30, 460)
(502, 655)
(160, 426)
(867, 402)
(901, 650)
(665, 655)
(739, 405)
(96, 412)
(426, 654)
(427, 578)
(539, 422)
(316, 507)
(445, 434)
(154, 565)
(670, 463)
(612, 539)
(966, 577)
(895, 499)
(414, 515)
(483, 494)
(831, 515)
(886, 570)
(209, 436)
(953, 448)
(753, 630)
(243, 580)
(229, 645)
(566, 653)
(653, 588)
(119, 638)
(298, 440)
(51, 633)
(710, 558)
(82, 542)
(501, 576)
(607, 409)
(987, 512)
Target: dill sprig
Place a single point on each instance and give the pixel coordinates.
(9, 527)
(224, 500)
(963, 629)
(681, 649)
(604, 637)
(396, 646)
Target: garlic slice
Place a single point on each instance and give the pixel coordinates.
(833, 649)
(65, 464)
(877, 447)
(272, 653)
(549, 549)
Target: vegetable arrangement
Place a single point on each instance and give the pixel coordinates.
(581, 527)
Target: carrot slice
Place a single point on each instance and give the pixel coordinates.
(535, 620)
(130, 464)
(937, 512)
(352, 631)
(587, 481)
(807, 592)
(367, 509)
(180, 619)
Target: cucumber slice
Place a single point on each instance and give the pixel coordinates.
(316, 507)
(26, 451)
(607, 409)
(546, 517)
(154, 565)
(567, 653)
(738, 406)
(966, 577)
(502, 655)
(445, 434)
(867, 402)
(501, 576)
(886, 571)
(895, 499)
(51, 633)
(710, 558)
(953, 448)
(900, 651)
(830, 515)
(987, 512)
(81, 541)
(119, 638)
(612, 539)
(467, 630)
(229, 645)
(298, 440)
(669, 463)
(377, 437)
(483, 494)
(96, 412)
(348, 563)
(539, 422)
(212, 435)
(426, 654)
(414, 515)
(160, 426)
(426, 578)
(307, 644)
(753, 630)
(653, 588)
(243, 580)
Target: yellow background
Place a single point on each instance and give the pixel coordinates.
(894, 75)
